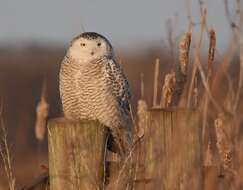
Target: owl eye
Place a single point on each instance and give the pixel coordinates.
(83, 44)
(99, 44)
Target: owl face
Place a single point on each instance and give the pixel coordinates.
(89, 46)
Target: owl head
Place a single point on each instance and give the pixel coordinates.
(89, 46)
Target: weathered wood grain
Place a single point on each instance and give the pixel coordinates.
(76, 154)
(172, 150)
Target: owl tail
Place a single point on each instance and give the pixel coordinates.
(120, 144)
(120, 178)
(123, 139)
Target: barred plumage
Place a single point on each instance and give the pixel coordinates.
(93, 86)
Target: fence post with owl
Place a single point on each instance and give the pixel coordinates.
(76, 154)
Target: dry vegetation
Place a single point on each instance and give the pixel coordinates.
(192, 136)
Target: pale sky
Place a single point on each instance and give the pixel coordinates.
(127, 23)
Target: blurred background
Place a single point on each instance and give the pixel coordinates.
(34, 36)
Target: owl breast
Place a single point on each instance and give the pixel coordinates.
(86, 93)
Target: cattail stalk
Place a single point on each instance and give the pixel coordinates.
(195, 92)
(142, 85)
(195, 74)
(240, 83)
(211, 52)
(156, 79)
(208, 159)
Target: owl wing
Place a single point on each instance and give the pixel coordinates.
(119, 83)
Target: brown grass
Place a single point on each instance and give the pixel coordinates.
(6, 156)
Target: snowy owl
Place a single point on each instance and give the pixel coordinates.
(93, 86)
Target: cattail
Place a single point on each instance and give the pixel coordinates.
(224, 143)
(141, 110)
(184, 48)
(211, 50)
(167, 90)
(182, 67)
(42, 113)
(141, 114)
(156, 79)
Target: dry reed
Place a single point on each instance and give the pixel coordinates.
(208, 160)
(240, 83)
(211, 53)
(156, 81)
(195, 93)
(171, 40)
(6, 156)
(193, 88)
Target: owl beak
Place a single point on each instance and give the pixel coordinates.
(92, 53)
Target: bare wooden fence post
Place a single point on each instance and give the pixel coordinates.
(76, 154)
(172, 150)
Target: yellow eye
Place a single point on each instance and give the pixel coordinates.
(83, 44)
(99, 44)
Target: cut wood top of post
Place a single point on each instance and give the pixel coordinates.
(172, 109)
(63, 121)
